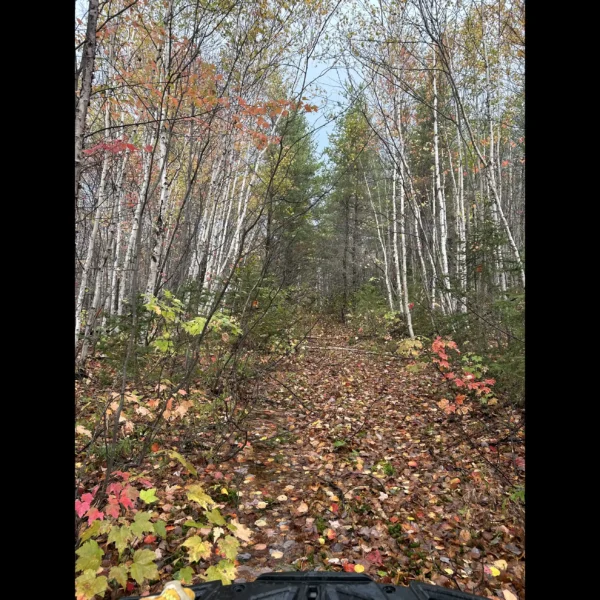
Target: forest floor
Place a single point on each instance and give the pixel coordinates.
(351, 464)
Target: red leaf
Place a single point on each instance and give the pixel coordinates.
(394, 519)
(113, 508)
(115, 488)
(94, 514)
(349, 568)
(218, 475)
(149, 539)
(411, 305)
(459, 382)
(123, 475)
(146, 483)
(130, 586)
(412, 463)
(87, 497)
(335, 507)
(155, 447)
(375, 558)
(148, 148)
(81, 507)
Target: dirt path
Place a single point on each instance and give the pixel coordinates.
(351, 462)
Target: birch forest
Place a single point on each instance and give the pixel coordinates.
(299, 292)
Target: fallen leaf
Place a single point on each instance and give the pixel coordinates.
(302, 508)
(260, 547)
(276, 553)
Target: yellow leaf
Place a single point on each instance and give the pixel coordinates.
(449, 571)
(359, 568)
(495, 572)
(501, 564)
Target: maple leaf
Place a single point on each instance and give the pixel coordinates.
(240, 531)
(87, 585)
(141, 524)
(143, 566)
(229, 547)
(93, 529)
(94, 514)
(374, 557)
(224, 572)
(120, 536)
(197, 548)
(115, 488)
(113, 507)
(148, 496)
(215, 517)
(81, 507)
(119, 574)
(160, 528)
(197, 494)
(90, 555)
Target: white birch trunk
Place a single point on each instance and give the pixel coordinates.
(403, 248)
(388, 284)
(445, 296)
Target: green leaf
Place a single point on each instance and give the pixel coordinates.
(188, 465)
(90, 555)
(195, 326)
(159, 528)
(121, 536)
(119, 574)
(224, 572)
(143, 566)
(195, 524)
(197, 548)
(186, 574)
(88, 585)
(197, 494)
(229, 547)
(215, 516)
(148, 496)
(93, 529)
(141, 524)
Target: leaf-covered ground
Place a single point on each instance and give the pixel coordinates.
(351, 464)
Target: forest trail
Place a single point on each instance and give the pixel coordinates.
(351, 462)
